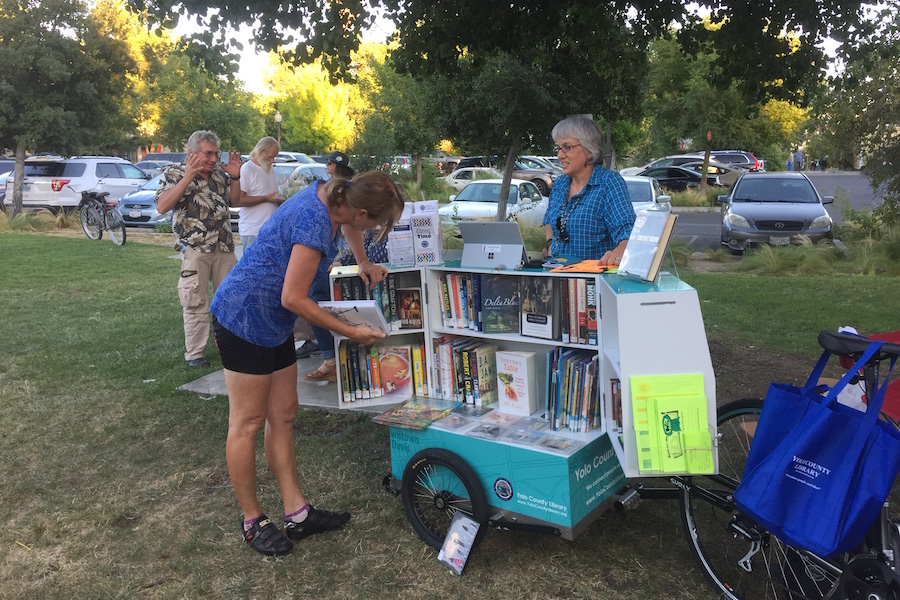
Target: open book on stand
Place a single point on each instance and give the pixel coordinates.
(647, 244)
(358, 312)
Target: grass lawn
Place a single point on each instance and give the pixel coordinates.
(115, 483)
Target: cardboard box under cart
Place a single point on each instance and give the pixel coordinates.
(526, 484)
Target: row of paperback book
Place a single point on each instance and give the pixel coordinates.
(565, 309)
(484, 422)
(401, 306)
(381, 371)
(477, 373)
(572, 400)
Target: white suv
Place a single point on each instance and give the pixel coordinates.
(56, 183)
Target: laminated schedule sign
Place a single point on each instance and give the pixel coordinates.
(400, 241)
(426, 234)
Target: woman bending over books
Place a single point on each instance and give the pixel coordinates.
(589, 216)
(255, 308)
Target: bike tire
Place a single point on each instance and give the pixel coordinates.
(436, 485)
(719, 535)
(91, 222)
(115, 226)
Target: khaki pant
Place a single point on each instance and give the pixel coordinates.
(198, 271)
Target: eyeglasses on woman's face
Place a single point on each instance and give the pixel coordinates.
(565, 148)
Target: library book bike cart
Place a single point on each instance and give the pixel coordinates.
(655, 416)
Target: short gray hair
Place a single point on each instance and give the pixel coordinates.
(198, 137)
(263, 145)
(586, 131)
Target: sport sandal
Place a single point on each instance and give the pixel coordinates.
(266, 538)
(317, 521)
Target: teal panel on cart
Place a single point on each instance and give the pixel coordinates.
(558, 489)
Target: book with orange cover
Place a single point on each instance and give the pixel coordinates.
(584, 266)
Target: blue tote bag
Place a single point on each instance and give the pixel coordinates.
(818, 472)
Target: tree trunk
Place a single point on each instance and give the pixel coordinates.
(507, 178)
(18, 177)
(705, 171)
(418, 158)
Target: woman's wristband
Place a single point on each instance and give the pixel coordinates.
(549, 242)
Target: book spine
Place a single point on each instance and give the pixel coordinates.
(354, 371)
(357, 288)
(592, 309)
(347, 395)
(418, 371)
(363, 355)
(392, 300)
(476, 299)
(564, 317)
(375, 372)
(581, 292)
(476, 378)
(346, 288)
(376, 294)
(442, 284)
(434, 377)
(445, 366)
(470, 303)
(454, 284)
(458, 389)
(463, 285)
(573, 311)
(468, 395)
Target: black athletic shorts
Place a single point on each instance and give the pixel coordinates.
(241, 356)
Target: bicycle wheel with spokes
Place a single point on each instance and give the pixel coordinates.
(436, 485)
(91, 221)
(115, 226)
(741, 559)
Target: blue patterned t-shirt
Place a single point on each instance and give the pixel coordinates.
(597, 218)
(248, 302)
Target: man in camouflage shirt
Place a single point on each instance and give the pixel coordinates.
(200, 192)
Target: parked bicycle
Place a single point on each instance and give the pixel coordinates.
(739, 557)
(742, 560)
(98, 213)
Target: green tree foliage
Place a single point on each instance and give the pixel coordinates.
(400, 116)
(865, 101)
(318, 116)
(686, 104)
(191, 98)
(60, 79)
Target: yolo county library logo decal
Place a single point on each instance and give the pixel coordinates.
(807, 472)
(503, 488)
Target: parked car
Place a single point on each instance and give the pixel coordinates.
(7, 165)
(477, 161)
(298, 157)
(739, 158)
(542, 177)
(138, 208)
(3, 186)
(56, 183)
(727, 174)
(677, 179)
(478, 202)
(460, 178)
(646, 194)
(306, 174)
(176, 157)
(536, 162)
(665, 161)
(553, 160)
(152, 167)
(777, 209)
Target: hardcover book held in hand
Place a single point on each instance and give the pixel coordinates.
(500, 304)
(647, 244)
(358, 312)
(540, 307)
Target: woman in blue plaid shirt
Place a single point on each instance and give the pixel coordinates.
(590, 214)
